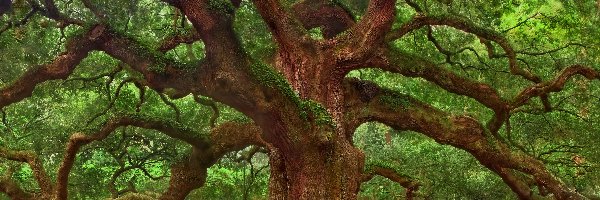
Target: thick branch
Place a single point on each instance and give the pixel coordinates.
(237, 83)
(402, 112)
(172, 42)
(391, 107)
(516, 184)
(249, 154)
(185, 177)
(39, 173)
(413, 66)
(469, 27)
(285, 28)
(213, 20)
(189, 175)
(229, 137)
(159, 72)
(364, 38)
(220, 70)
(328, 15)
(77, 140)
(62, 66)
(555, 85)
(407, 182)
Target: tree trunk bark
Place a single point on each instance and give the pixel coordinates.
(185, 177)
(331, 171)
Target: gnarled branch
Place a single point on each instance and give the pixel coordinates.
(403, 112)
(555, 85)
(39, 173)
(77, 140)
(330, 16)
(412, 66)
(407, 182)
(174, 41)
(191, 174)
(285, 28)
(469, 27)
(62, 66)
(367, 35)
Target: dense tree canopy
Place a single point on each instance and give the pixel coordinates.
(307, 99)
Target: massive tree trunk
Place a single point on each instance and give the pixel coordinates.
(306, 110)
(315, 159)
(332, 171)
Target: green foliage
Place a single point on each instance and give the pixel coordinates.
(442, 171)
(253, 32)
(395, 100)
(316, 33)
(44, 122)
(236, 180)
(222, 6)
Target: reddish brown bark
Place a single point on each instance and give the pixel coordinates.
(332, 171)
(459, 131)
(13, 190)
(409, 184)
(309, 159)
(39, 173)
(329, 16)
(185, 177)
(62, 66)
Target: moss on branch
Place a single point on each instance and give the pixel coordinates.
(224, 6)
(395, 100)
(309, 110)
(314, 110)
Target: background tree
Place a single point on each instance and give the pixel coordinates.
(146, 96)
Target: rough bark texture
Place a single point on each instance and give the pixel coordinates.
(12, 189)
(303, 108)
(459, 131)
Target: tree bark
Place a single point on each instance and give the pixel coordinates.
(306, 115)
(328, 172)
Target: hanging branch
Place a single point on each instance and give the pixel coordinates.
(172, 105)
(213, 106)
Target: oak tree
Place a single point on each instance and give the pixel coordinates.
(291, 67)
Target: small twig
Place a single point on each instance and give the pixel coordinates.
(164, 98)
(213, 106)
(112, 102)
